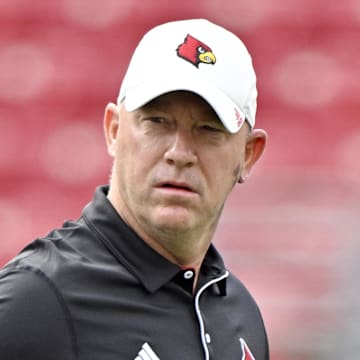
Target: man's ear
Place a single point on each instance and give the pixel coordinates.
(111, 126)
(255, 145)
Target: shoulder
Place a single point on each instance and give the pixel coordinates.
(236, 287)
(57, 252)
(38, 324)
(242, 297)
(35, 323)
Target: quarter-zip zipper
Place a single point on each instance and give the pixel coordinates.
(198, 312)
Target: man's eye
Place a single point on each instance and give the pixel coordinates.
(210, 128)
(156, 119)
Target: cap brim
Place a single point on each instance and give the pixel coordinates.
(229, 113)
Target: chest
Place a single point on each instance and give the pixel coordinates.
(170, 325)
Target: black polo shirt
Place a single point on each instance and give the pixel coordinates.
(94, 290)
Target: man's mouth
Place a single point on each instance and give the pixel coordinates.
(179, 186)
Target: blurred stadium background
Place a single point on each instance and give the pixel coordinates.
(291, 233)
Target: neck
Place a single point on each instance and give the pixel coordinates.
(185, 250)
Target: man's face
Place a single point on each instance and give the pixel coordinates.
(174, 165)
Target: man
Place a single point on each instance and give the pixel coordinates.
(136, 277)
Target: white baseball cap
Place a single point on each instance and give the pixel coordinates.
(194, 55)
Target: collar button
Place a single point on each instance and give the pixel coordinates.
(188, 274)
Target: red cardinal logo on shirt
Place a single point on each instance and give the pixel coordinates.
(195, 51)
(247, 355)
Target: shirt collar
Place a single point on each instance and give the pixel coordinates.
(152, 269)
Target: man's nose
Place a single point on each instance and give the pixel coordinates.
(181, 151)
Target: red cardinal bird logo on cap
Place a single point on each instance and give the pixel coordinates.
(247, 355)
(195, 51)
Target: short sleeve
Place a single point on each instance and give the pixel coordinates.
(33, 322)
